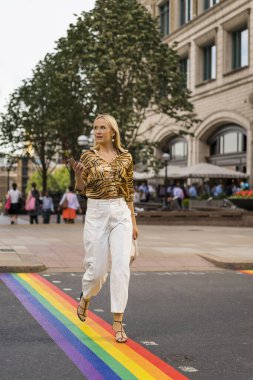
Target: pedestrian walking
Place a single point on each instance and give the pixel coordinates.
(178, 194)
(14, 197)
(33, 204)
(244, 185)
(144, 192)
(136, 195)
(70, 204)
(105, 176)
(47, 207)
(192, 192)
(218, 190)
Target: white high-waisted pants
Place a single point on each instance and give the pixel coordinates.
(108, 228)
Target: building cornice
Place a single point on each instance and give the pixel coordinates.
(223, 88)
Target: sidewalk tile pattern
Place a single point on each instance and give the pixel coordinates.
(90, 346)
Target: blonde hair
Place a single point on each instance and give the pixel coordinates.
(114, 125)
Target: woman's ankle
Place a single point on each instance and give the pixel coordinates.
(118, 317)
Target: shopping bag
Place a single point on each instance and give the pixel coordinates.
(65, 204)
(30, 204)
(7, 205)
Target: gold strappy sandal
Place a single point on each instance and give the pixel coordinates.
(120, 338)
(82, 308)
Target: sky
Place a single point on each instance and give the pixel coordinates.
(28, 30)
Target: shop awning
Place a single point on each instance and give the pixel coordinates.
(173, 171)
(205, 170)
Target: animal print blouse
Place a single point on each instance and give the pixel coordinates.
(105, 180)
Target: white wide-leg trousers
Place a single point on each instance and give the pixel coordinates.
(108, 229)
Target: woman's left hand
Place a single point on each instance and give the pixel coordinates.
(135, 232)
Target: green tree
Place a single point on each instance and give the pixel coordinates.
(130, 73)
(27, 124)
(45, 115)
(112, 60)
(58, 180)
(68, 97)
(62, 178)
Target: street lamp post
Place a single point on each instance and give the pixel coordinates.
(8, 177)
(85, 141)
(10, 165)
(166, 158)
(82, 140)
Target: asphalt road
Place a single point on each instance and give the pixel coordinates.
(200, 323)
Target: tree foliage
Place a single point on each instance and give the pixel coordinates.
(112, 61)
(57, 181)
(26, 125)
(129, 71)
(45, 114)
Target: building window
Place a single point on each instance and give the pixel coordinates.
(228, 141)
(178, 150)
(184, 69)
(209, 62)
(210, 3)
(165, 18)
(240, 48)
(185, 11)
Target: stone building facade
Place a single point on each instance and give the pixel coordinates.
(18, 173)
(216, 54)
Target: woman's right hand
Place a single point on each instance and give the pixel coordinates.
(78, 169)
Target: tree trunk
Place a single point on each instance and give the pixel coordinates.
(44, 179)
(72, 178)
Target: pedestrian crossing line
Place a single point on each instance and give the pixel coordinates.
(59, 304)
(140, 374)
(120, 356)
(91, 346)
(246, 271)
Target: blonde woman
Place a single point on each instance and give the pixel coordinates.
(105, 175)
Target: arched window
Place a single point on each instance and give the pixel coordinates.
(178, 149)
(228, 147)
(228, 140)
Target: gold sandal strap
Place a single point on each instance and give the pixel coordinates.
(120, 331)
(84, 308)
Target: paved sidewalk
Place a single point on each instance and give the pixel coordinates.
(58, 247)
(21, 220)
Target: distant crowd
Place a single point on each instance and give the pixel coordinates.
(146, 192)
(41, 204)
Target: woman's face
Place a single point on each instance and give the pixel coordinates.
(102, 131)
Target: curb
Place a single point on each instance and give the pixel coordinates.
(228, 265)
(22, 268)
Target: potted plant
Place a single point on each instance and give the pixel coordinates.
(206, 202)
(185, 203)
(243, 199)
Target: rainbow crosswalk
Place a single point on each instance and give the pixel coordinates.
(90, 345)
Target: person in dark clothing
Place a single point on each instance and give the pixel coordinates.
(34, 213)
(47, 207)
